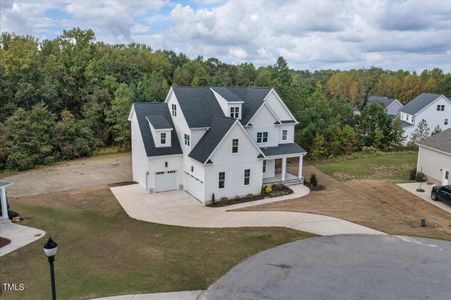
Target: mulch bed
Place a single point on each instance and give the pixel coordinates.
(122, 183)
(278, 190)
(4, 242)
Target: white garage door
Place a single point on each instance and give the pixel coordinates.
(165, 181)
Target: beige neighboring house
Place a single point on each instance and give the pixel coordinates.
(434, 156)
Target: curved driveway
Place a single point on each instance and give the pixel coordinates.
(342, 267)
(181, 209)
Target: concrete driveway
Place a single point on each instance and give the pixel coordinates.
(181, 209)
(342, 267)
(426, 195)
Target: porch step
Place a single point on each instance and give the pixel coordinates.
(293, 182)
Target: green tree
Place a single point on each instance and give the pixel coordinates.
(319, 149)
(117, 116)
(421, 132)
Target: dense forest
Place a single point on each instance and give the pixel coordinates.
(70, 96)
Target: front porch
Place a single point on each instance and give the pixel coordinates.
(283, 170)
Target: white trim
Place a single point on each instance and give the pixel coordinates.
(441, 96)
(130, 114)
(284, 105)
(200, 128)
(228, 131)
(286, 155)
(433, 149)
(266, 104)
(168, 155)
(169, 94)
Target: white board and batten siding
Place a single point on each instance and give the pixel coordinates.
(233, 164)
(433, 163)
(140, 162)
(263, 121)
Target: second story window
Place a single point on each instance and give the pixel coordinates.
(284, 134)
(163, 138)
(262, 137)
(174, 110)
(440, 107)
(235, 112)
(187, 140)
(235, 146)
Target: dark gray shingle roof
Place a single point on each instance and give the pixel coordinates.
(440, 141)
(418, 103)
(405, 124)
(282, 149)
(158, 121)
(220, 125)
(198, 104)
(227, 94)
(146, 109)
(384, 101)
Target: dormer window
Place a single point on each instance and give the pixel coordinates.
(235, 112)
(163, 138)
(440, 107)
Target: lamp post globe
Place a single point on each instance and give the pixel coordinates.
(50, 249)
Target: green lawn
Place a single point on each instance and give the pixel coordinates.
(103, 252)
(392, 165)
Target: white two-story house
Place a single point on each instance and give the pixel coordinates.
(219, 141)
(435, 109)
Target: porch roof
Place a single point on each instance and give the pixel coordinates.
(283, 149)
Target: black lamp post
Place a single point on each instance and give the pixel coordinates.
(50, 249)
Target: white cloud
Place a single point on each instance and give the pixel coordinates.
(238, 53)
(309, 34)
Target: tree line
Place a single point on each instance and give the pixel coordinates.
(70, 96)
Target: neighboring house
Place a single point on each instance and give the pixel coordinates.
(434, 156)
(435, 109)
(222, 141)
(391, 106)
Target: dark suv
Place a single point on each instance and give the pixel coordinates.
(441, 193)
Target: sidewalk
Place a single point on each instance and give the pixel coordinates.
(185, 295)
(19, 235)
(180, 209)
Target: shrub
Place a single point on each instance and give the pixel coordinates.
(420, 177)
(268, 189)
(413, 174)
(369, 150)
(213, 200)
(251, 196)
(21, 161)
(224, 199)
(313, 180)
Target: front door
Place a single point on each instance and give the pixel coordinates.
(445, 176)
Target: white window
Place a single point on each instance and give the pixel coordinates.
(440, 107)
(174, 110)
(163, 138)
(187, 140)
(262, 137)
(235, 146)
(446, 122)
(247, 176)
(235, 112)
(284, 134)
(221, 181)
(264, 166)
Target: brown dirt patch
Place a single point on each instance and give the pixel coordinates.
(374, 203)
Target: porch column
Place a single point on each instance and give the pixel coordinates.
(284, 167)
(4, 204)
(300, 166)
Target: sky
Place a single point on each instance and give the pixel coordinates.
(409, 35)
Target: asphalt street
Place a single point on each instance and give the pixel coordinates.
(343, 267)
